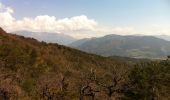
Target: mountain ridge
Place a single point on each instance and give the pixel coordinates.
(129, 46)
(59, 38)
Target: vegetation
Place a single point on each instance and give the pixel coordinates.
(32, 70)
(150, 81)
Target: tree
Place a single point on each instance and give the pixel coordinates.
(54, 88)
(8, 86)
(86, 87)
(63, 87)
(149, 81)
(115, 85)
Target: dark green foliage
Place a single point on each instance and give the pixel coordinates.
(150, 81)
(28, 85)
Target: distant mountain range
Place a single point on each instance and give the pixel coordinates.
(128, 46)
(135, 46)
(48, 37)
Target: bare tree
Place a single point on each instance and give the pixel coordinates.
(4, 95)
(53, 89)
(86, 89)
(63, 87)
(115, 85)
(47, 95)
(8, 86)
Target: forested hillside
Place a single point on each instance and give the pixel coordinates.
(32, 70)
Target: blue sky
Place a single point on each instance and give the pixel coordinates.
(111, 12)
(108, 13)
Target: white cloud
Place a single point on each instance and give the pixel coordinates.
(6, 16)
(44, 23)
(77, 26)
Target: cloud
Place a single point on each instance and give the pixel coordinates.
(6, 17)
(44, 23)
(77, 26)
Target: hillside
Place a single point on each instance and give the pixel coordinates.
(28, 66)
(79, 42)
(48, 37)
(32, 70)
(128, 46)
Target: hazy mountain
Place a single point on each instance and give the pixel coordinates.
(48, 37)
(129, 46)
(165, 37)
(79, 42)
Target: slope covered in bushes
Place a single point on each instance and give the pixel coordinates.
(32, 70)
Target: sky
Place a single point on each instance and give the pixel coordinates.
(87, 18)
